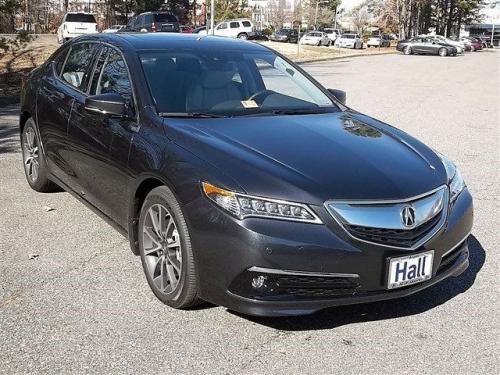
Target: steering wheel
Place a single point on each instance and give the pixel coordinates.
(260, 96)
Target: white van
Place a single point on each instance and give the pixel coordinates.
(239, 28)
(76, 24)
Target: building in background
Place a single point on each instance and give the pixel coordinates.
(272, 13)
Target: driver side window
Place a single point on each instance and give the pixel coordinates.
(222, 26)
(111, 75)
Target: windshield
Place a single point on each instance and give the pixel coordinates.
(283, 32)
(80, 17)
(229, 83)
(348, 36)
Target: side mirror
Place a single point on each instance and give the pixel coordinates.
(339, 95)
(107, 104)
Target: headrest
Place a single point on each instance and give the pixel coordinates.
(218, 75)
(188, 64)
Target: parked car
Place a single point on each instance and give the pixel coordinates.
(238, 28)
(76, 24)
(316, 38)
(114, 29)
(151, 22)
(198, 29)
(246, 184)
(441, 39)
(285, 35)
(472, 44)
(259, 36)
(186, 29)
(349, 41)
(332, 34)
(424, 45)
(378, 41)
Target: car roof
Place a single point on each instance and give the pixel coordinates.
(144, 41)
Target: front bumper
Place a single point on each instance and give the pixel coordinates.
(230, 253)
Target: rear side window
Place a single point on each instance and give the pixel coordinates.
(234, 25)
(247, 24)
(165, 17)
(75, 69)
(80, 17)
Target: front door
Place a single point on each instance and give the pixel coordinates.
(101, 177)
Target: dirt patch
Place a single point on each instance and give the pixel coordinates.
(14, 65)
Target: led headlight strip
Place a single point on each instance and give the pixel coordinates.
(242, 206)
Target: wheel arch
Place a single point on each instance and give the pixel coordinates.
(23, 118)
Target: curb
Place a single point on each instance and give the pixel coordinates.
(342, 57)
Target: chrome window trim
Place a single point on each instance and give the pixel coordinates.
(435, 230)
(86, 94)
(275, 271)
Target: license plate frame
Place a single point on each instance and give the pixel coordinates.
(418, 274)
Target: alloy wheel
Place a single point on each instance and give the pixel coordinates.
(162, 249)
(31, 157)
(443, 52)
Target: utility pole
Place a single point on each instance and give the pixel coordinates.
(212, 16)
(316, 16)
(492, 32)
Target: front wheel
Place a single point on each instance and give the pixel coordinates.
(407, 50)
(166, 252)
(443, 52)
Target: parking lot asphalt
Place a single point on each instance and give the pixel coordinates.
(73, 298)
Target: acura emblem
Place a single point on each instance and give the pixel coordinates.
(408, 216)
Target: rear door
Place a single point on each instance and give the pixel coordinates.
(101, 142)
(66, 76)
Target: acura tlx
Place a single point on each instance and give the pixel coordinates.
(238, 178)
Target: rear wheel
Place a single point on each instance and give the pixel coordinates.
(35, 166)
(443, 52)
(243, 36)
(407, 50)
(166, 252)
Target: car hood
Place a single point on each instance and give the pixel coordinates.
(313, 158)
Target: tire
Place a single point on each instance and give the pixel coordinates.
(35, 166)
(243, 36)
(169, 268)
(472, 49)
(407, 50)
(443, 52)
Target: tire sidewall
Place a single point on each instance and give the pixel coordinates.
(42, 179)
(165, 197)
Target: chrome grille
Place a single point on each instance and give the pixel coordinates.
(394, 237)
(380, 222)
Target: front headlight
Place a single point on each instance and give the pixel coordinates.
(242, 206)
(455, 181)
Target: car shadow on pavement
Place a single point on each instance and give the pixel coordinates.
(9, 131)
(415, 304)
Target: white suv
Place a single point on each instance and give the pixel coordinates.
(240, 28)
(76, 24)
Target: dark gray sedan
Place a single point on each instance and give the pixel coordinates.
(427, 46)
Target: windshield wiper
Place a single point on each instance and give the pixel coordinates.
(190, 115)
(277, 112)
